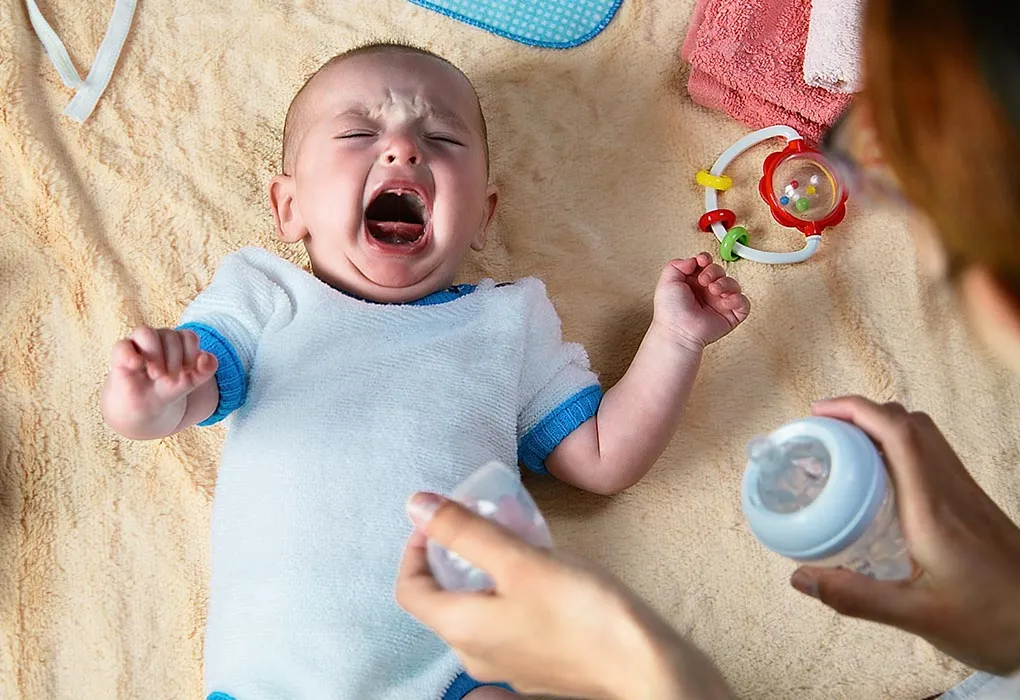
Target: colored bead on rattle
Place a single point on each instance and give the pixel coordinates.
(737, 234)
(726, 217)
(716, 182)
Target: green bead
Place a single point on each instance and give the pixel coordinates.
(737, 234)
(802, 204)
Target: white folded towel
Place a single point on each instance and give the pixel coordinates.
(832, 59)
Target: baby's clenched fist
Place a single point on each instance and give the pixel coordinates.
(152, 372)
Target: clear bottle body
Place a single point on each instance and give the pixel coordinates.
(881, 552)
(793, 473)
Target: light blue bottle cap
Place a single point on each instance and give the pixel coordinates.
(851, 498)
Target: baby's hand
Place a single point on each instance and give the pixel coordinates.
(696, 303)
(151, 374)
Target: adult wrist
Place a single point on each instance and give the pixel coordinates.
(659, 664)
(682, 672)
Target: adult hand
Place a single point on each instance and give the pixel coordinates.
(550, 625)
(967, 600)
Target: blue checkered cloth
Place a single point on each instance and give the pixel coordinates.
(553, 24)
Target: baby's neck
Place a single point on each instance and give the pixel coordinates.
(451, 290)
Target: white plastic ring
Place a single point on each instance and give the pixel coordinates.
(712, 200)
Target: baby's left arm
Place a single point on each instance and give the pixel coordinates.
(695, 305)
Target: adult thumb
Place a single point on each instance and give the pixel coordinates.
(895, 603)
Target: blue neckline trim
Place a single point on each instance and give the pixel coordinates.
(443, 296)
(464, 684)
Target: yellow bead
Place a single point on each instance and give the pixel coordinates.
(812, 189)
(716, 182)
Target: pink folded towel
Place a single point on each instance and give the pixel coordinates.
(747, 59)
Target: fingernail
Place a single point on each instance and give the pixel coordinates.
(805, 583)
(422, 507)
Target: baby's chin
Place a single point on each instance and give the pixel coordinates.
(383, 284)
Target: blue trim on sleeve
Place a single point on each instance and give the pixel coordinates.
(539, 442)
(230, 376)
(462, 685)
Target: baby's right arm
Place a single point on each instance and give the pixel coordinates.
(160, 383)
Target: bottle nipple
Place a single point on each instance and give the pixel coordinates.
(791, 474)
(764, 453)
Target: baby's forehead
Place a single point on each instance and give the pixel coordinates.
(375, 82)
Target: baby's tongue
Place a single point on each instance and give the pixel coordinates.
(396, 231)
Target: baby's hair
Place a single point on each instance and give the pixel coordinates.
(290, 130)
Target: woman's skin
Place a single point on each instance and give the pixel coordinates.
(551, 625)
(556, 626)
(596, 635)
(967, 601)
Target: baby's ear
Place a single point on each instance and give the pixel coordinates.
(289, 225)
(488, 214)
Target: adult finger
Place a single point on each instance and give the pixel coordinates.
(856, 595)
(450, 614)
(482, 542)
(414, 574)
(891, 427)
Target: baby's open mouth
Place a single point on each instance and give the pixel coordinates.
(397, 217)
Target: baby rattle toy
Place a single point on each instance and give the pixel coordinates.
(800, 185)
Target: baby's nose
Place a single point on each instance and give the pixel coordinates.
(402, 151)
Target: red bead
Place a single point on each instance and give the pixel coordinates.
(794, 184)
(724, 216)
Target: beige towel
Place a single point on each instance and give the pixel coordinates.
(103, 556)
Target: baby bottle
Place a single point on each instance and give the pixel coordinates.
(816, 491)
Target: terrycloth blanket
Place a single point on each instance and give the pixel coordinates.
(122, 220)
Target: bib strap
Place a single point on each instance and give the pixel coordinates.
(89, 90)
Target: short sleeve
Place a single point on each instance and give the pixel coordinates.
(230, 316)
(559, 392)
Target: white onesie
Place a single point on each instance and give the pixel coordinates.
(340, 409)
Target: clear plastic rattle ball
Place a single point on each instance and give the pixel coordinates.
(807, 187)
(494, 492)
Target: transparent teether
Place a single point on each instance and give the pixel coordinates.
(494, 492)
